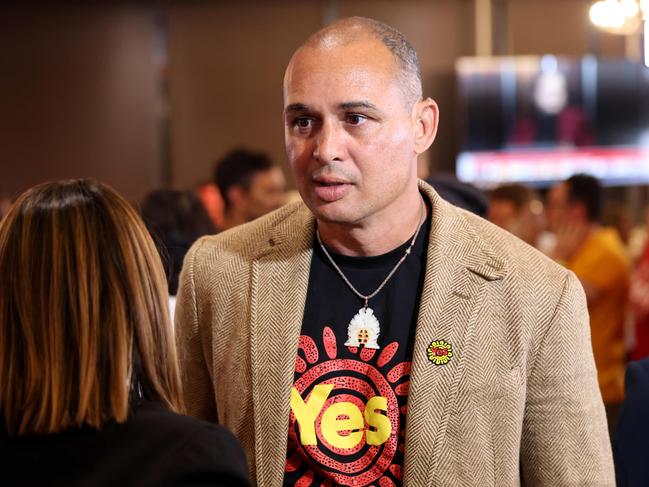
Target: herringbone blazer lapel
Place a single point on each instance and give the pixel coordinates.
(457, 270)
(280, 276)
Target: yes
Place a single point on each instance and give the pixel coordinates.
(333, 425)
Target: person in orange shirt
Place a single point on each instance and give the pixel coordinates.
(598, 257)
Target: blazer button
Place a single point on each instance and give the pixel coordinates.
(271, 242)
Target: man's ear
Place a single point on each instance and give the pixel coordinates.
(427, 119)
(236, 196)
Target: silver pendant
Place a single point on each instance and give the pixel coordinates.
(363, 330)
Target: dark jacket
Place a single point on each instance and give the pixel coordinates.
(154, 447)
(630, 441)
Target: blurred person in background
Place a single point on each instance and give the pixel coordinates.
(91, 389)
(459, 193)
(638, 236)
(175, 219)
(630, 446)
(639, 299)
(251, 185)
(618, 215)
(518, 209)
(599, 259)
(212, 201)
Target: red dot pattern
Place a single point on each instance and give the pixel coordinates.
(308, 346)
(367, 354)
(387, 353)
(329, 340)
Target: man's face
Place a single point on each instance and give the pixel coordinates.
(349, 132)
(267, 192)
(526, 223)
(502, 213)
(559, 210)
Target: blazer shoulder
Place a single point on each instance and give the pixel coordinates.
(518, 257)
(254, 237)
(502, 252)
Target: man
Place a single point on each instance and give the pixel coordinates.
(598, 257)
(250, 184)
(377, 335)
(518, 209)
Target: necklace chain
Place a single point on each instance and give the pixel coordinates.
(394, 269)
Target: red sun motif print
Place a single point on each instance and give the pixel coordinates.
(347, 415)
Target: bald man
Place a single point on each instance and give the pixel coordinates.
(373, 334)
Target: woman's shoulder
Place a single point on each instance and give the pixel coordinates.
(153, 447)
(160, 422)
(149, 414)
(186, 447)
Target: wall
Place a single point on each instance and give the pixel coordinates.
(227, 62)
(78, 97)
(557, 27)
(80, 94)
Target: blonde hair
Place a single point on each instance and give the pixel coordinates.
(84, 320)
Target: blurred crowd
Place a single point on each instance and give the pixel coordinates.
(576, 227)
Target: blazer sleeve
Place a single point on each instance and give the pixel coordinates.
(565, 435)
(198, 390)
(211, 456)
(630, 449)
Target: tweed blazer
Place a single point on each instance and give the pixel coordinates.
(518, 402)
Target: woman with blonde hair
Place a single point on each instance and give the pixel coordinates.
(90, 391)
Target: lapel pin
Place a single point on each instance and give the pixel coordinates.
(439, 352)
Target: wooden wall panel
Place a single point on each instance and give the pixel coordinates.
(227, 63)
(78, 97)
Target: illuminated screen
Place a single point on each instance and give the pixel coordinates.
(537, 120)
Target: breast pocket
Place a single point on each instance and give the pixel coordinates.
(484, 431)
(491, 392)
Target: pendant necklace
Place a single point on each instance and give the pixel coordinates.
(364, 328)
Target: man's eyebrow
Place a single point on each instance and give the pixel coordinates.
(296, 107)
(348, 105)
(351, 105)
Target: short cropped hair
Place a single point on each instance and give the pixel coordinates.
(403, 52)
(587, 190)
(84, 318)
(237, 168)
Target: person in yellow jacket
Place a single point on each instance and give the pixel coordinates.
(598, 257)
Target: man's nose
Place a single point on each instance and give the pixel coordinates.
(329, 142)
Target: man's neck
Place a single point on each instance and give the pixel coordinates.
(376, 237)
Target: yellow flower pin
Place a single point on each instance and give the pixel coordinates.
(440, 352)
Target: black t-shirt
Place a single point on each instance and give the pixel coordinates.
(348, 404)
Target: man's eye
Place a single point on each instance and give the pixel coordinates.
(355, 119)
(303, 122)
